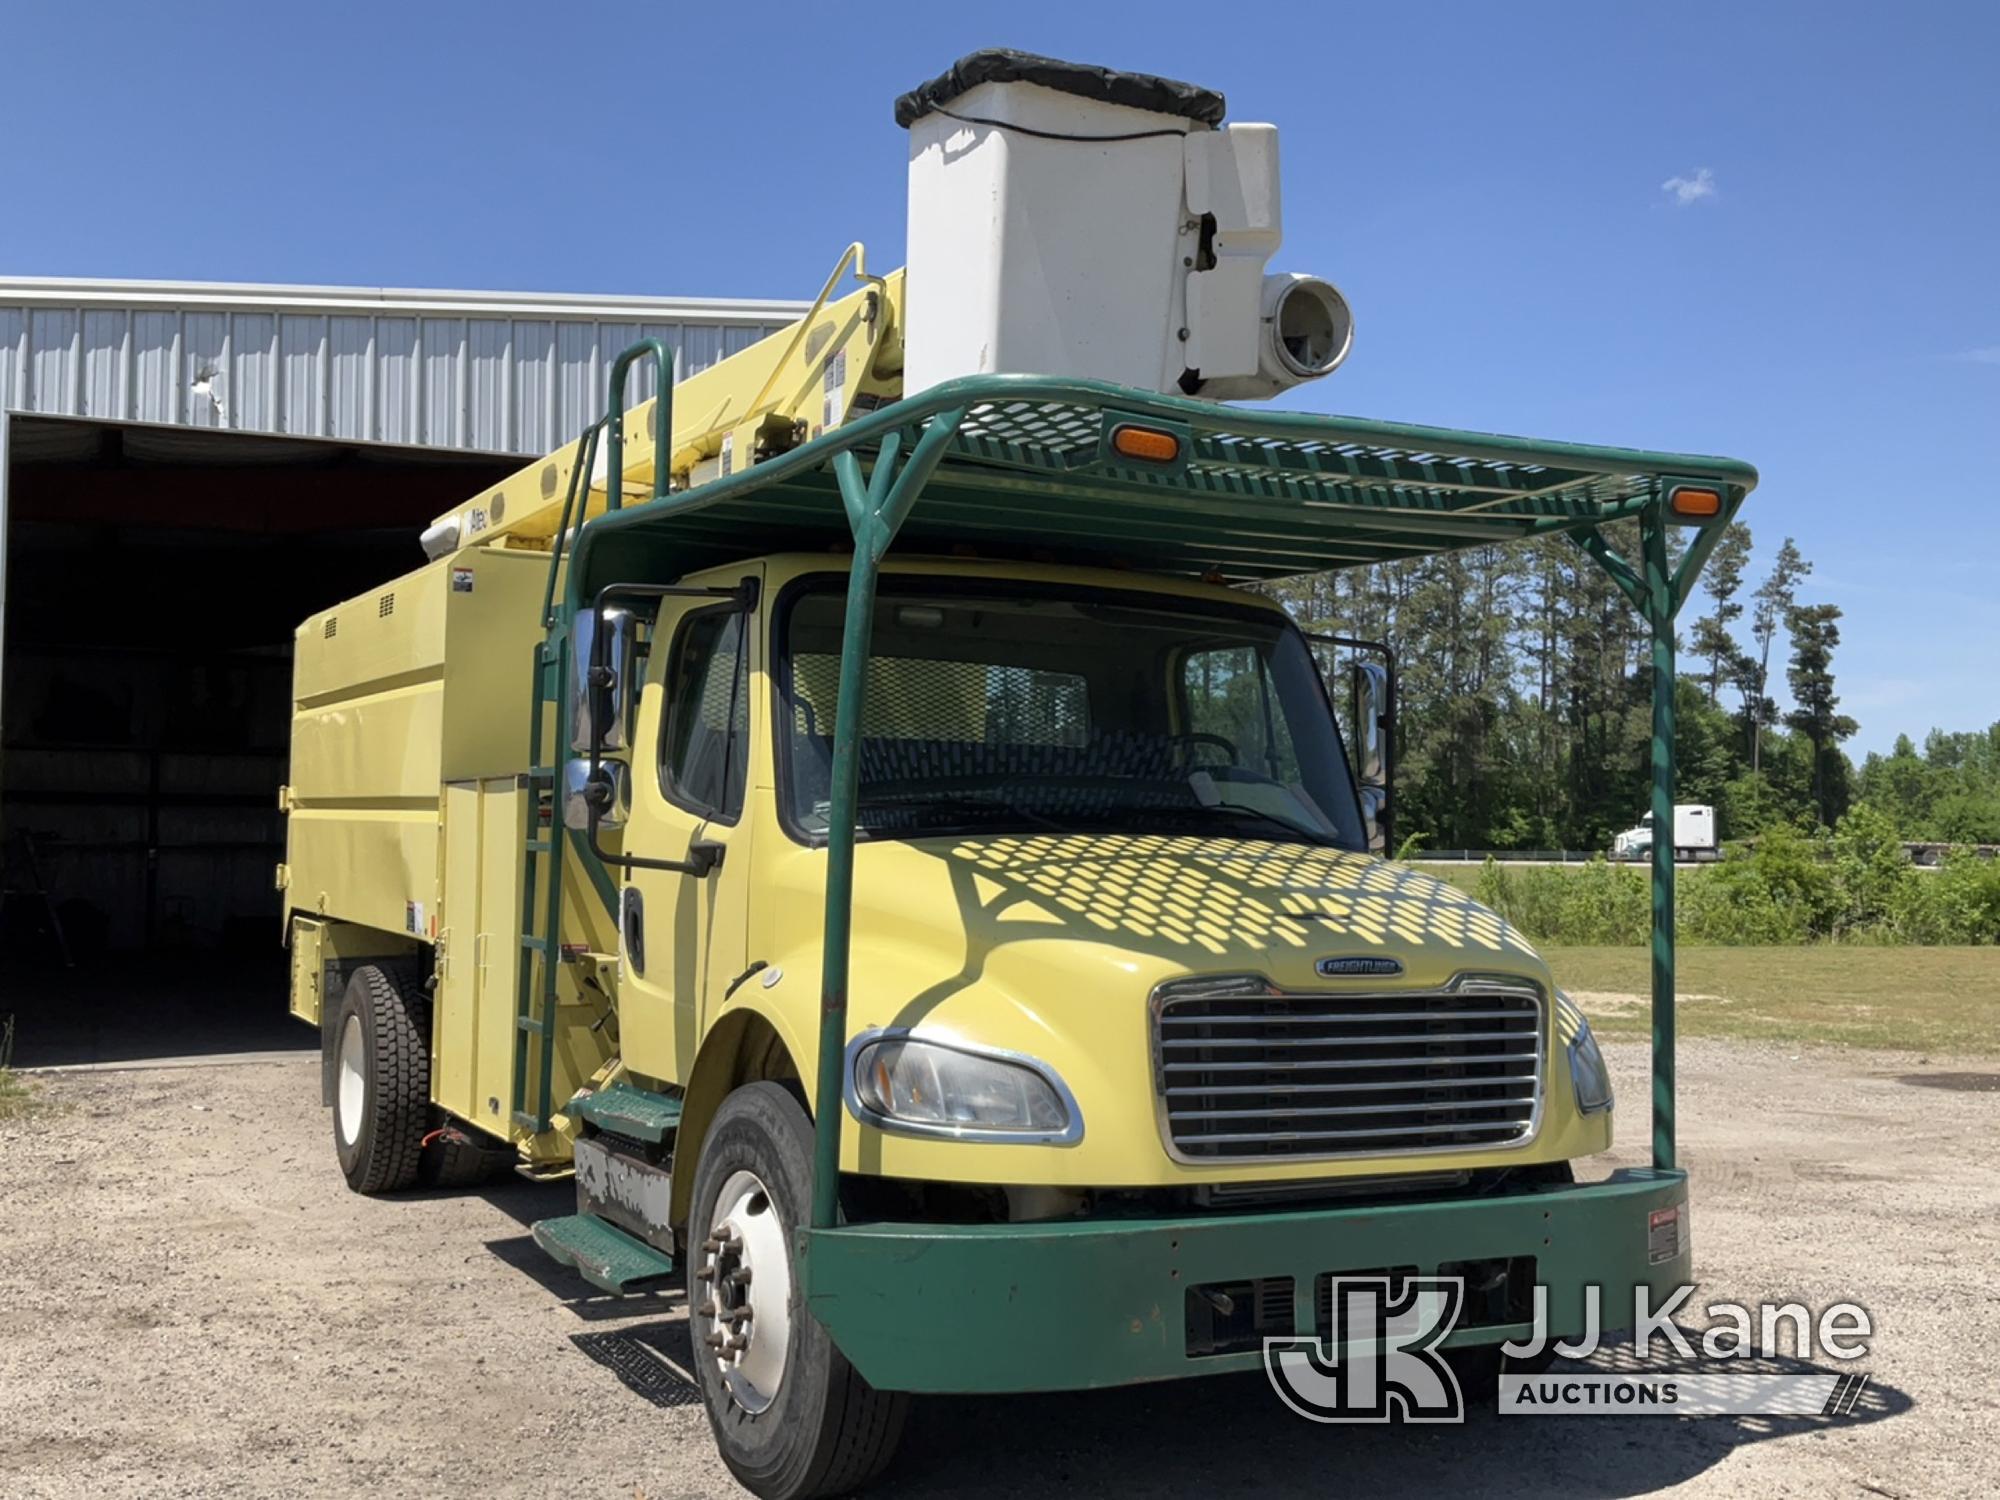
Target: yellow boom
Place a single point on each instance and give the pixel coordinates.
(845, 356)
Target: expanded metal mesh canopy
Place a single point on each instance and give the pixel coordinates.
(1030, 470)
(1012, 464)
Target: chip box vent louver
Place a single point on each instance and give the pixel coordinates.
(332, 628)
(385, 606)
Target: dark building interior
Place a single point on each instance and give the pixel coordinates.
(154, 576)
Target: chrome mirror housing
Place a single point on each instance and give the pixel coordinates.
(1374, 726)
(604, 705)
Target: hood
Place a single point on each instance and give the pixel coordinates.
(1027, 911)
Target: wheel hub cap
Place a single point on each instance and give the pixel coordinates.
(744, 1306)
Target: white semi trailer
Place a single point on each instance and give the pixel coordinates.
(1694, 835)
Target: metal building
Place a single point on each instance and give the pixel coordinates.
(498, 372)
(186, 471)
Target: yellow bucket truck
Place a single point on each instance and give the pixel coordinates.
(856, 813)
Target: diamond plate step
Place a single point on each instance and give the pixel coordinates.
(607, 1258)
(636, 1114)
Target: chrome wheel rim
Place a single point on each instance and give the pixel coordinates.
(744, 1315)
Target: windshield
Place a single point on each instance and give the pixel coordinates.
(1014, 707)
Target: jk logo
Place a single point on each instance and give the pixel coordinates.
(1380, 1362)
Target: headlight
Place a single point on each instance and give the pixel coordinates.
(921, 1087)
(1587, 1071)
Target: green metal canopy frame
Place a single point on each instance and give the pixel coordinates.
(1025, 466)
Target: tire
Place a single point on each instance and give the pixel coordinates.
(458, 1156)
(382, 1077)
(793, 1420)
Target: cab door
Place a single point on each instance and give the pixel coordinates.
(683, 936)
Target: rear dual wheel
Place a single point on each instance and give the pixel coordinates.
(386, 1132)
(381, 1077)
(792, 1418)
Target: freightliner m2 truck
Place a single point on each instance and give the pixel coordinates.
(855, 813)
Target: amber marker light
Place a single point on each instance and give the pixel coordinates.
(1148, 444)
(1695, 504)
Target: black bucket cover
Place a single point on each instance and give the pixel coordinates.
(1164, 96)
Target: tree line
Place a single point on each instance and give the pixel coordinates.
(1527, 712)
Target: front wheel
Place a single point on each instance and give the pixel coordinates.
(791, 1416)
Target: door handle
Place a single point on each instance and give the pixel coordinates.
(633, 924)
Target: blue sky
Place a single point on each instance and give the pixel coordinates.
(1487, 183)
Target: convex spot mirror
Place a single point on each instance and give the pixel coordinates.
(607, 790)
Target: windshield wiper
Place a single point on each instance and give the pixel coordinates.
(1257, 815)
(925, 804)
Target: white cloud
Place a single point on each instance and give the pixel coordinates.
(1686, 190)
(1990, 355)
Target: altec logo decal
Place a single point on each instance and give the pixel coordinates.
(1358, 968)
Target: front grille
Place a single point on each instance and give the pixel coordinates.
(1247, 1073)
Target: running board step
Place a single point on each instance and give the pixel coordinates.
(607, 1258)
(636, 1114)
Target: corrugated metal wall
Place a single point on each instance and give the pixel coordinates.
(498, 373)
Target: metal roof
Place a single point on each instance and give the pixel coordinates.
(515, 372)
(69, 291)
(1257, 495)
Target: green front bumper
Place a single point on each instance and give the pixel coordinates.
(1077, 1304)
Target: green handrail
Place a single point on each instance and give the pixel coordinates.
(663, 420)
(576, 500)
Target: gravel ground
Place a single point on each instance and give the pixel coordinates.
(192, 1303)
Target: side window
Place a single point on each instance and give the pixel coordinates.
(705, 753)
(1228, 693)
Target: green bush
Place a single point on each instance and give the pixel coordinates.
(1597, 903)
(1853, 885)
(1959, 903)
(1731, 905)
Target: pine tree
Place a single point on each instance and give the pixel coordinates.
(1722, 579)
(1815, 631)
(1775, 597)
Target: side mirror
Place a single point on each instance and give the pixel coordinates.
(605, 792)
(1374, 687)
(606, 703)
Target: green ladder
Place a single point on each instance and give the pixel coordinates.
(542, 883)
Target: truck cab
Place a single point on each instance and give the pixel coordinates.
(1694, 835)
(1104, 822)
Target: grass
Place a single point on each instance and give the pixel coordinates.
(17, 1097)
(1944, 1000)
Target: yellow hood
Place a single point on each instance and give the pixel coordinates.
(1051, 945)
(1163, 906)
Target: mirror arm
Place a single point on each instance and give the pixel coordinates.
(703, 854)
